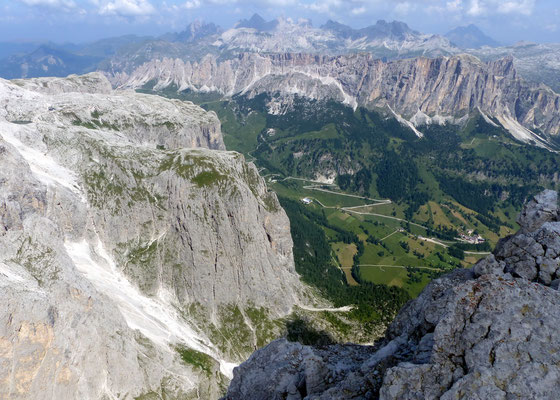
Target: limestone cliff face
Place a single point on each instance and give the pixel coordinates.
(422, 90)
(486, 333)
(137, 256)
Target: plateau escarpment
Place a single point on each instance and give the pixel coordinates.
(138, 257)
(486, 332)
(419, 91)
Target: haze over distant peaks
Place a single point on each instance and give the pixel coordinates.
(194, 31)
(383, 40)
(395, 30)
(470, 37)
(257, 22)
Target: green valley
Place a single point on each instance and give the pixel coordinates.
(395, 209)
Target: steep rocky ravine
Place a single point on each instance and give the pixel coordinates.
(139, 258)
(489, 332)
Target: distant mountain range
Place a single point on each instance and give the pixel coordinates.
(417, 91)
(122, 57)
(31, 60)
(383, 39)
(47, 61)
(8, 49)
(470, 37)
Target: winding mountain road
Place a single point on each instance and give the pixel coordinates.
(319, 186)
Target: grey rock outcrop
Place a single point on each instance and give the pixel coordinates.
(540, 209)
(420, 89)
(533, 252)
(489, 332)
(90, 83)
(138, 257)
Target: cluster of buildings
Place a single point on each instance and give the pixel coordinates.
(470, 237)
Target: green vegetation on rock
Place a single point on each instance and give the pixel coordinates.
(197, 359)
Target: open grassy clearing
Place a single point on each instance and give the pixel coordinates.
(345, 255)
(397, 276)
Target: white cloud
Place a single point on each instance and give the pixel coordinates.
(127, 8)
(524, 7)
(190, 4)
(454, 6)
(222, 2)
(51, 3)
(404, 8)
(358, 11)
(486, 7)
(324, 7)
(476, 8)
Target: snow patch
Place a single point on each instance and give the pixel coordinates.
(226, 368)
(339, 309)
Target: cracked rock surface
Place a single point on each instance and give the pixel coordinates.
(486, 333)
(420, 89)
(533, 252)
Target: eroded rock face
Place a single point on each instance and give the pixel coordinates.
(540, 209)
(422, 90)
(136, 254)
(533, 252)
(489, 332)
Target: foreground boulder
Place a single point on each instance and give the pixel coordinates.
(486, 333)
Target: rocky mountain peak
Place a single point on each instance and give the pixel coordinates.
(479, 333)
(470, 37)
(197, 30)
(542, 208)
(504, 67)
(257, 22)
(335, 26)
(533, 253)
(393, 30)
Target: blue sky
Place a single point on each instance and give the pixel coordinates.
(86, 20)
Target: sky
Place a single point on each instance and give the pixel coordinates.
(78, 21)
